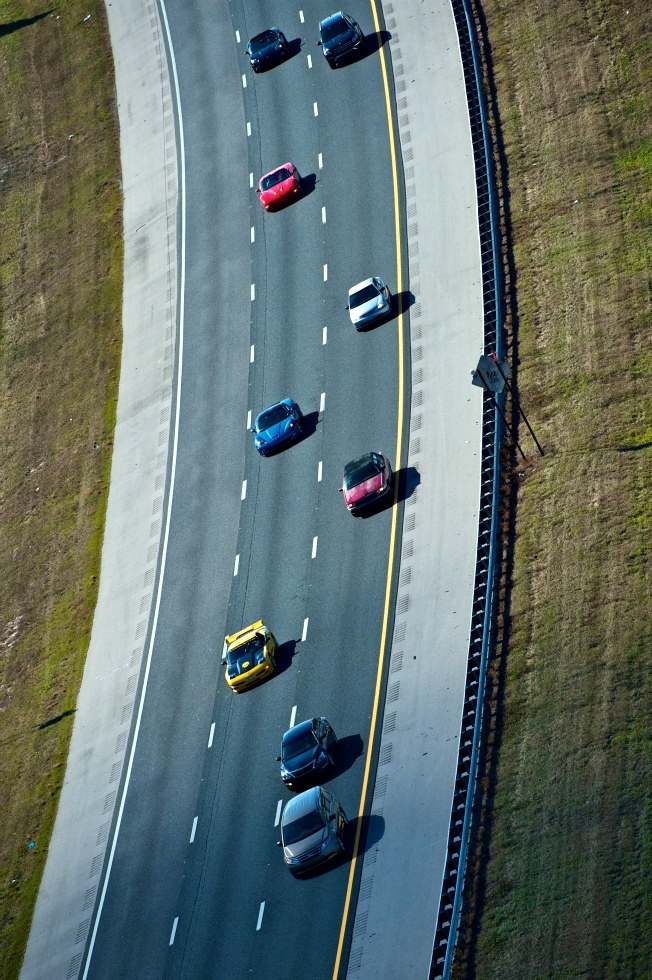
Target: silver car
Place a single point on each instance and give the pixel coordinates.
(367, 301)
(312, 829)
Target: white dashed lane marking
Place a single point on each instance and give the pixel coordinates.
(325, 272)
(249, 419)
(315, 109)
(194, 830)
(322, 401)
(253, 234)
(243, 493)
(174, 930)
(236, 565)
(237, 36)
(260, 916)
(323, 216)
(319, 469)
(301, 16)
(211, 735)
(248, 129)
(251, 180)
(253, 291)
(314, 547)
(305, 630)
(244, 81)
(324, 335)
(279, 806)
(320, 160)
(309, 62)
(293, 716)
(251, 354)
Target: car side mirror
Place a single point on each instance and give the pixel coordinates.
(318, 44)
(346, 307)
(278, 843)
(252, 430)
(341, 489)
(278, 758)
(258, 190)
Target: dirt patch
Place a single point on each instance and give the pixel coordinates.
(561, 879)
(60, 337)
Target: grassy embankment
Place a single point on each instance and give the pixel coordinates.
(563, 885)
(60, 338)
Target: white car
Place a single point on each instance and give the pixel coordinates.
(367, 301)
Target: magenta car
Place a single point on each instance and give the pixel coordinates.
(365, 480)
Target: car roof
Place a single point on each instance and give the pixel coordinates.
(361, 285)
(302, 726)
(269, 30)
(340, 15)
(288, 165)
(301, 804)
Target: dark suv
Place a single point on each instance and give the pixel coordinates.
(339, 37)
(306, 750)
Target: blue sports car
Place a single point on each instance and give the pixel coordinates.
(277, 425)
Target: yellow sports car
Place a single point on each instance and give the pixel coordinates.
(249, 656)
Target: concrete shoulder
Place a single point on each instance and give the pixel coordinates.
(136, 510)
(408, 827)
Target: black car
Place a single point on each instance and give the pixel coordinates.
(306, 750)
(267, 49)
(339, 37)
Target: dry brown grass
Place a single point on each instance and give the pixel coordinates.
(60, 295)
(566, 884)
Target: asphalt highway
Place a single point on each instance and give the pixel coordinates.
(265, 319)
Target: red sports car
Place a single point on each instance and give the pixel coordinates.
(366, 480)
(279, 186)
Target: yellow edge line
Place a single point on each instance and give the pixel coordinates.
(392, 537)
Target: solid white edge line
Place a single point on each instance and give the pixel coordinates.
(278, 813)
(305, 630)
(194, 830)
(174, 930)
(182, 286)
(260, 916)
(319, 468)
(293, 716)
(211, 736)
(314, 547)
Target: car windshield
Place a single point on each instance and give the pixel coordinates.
(271, 417)
(297, 742)
(362, 469)
(307, 825)
(334, 28)
(247, 651)
(271, 180)
(363, 296)
(262, 41)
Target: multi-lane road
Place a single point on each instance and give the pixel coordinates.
(197, 886)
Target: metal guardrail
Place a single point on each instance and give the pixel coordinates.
(483, 591)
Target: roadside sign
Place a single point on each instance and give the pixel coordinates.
(491, 373)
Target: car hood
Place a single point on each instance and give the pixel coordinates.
(364, 489)
(299, 762)
(361, 311)
(243, 665)
(307, 844)
(340, 40)
(275, 431)
(278, 190)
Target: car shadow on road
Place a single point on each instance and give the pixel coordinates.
(409, 479)
(349, 748)
(308, 183)
(285, 655)
(372, 43)
(309, 423)
(402, 301)
(294, 48)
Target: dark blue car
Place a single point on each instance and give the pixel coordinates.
(267, 49)
(277, 426)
